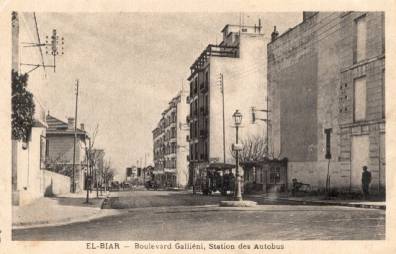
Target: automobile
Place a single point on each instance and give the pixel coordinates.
(115, 185)
(151, 185)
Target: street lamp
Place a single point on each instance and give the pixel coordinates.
(237, 120)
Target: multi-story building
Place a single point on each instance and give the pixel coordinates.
(170, 143)
(224, 78)
(158, 151)
(326, 89)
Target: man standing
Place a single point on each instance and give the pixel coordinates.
(366, 179)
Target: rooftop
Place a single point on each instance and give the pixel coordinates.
(56, 126)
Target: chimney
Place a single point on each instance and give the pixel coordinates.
(82, 127)
(70, 123)
(274, 34)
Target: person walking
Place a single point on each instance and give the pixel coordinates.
(366, 179)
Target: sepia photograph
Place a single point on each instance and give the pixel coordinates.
(198, 126)
(170, 126)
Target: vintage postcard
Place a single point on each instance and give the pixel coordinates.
(172, 126)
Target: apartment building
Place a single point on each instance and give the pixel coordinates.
(326, 80)
(171, 145)
(224, 78)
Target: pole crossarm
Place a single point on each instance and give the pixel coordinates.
(264, 120)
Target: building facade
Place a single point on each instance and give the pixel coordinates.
(170, 143)
(224, 78)
(326, 88)
(60, 146)
(28, 156)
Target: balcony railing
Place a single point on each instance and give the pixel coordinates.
(212, 50)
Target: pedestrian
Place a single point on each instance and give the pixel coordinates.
(366, 179)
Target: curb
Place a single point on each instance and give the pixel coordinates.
(326, 203)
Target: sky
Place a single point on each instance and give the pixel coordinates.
(129, 65)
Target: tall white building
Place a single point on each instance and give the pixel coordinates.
(240, 61)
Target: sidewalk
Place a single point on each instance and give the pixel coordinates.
(64, 209)
(320, 200)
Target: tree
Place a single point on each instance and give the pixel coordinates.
(254, 148)
(92, 156)
(23, 107)
(59, 165)
(108, 173)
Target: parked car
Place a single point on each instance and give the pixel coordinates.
(151, 185)
(115, 185)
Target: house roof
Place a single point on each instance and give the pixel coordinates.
(56, 126)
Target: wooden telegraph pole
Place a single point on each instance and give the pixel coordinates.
(74, 143)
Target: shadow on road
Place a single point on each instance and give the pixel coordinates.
(78, 201)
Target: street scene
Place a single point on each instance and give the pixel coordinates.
(198, 126)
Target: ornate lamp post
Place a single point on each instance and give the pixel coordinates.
(237, 120)
(237, 202)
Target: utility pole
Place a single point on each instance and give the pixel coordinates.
(267, 122)
(222, 94)
(266, 146)
(88, 175)
(75, 139)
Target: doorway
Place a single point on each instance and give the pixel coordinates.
(359, 158)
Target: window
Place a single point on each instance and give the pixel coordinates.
(361, 37)
(359, 99)
(46, 148)
(274, 175)
(328, 144)
(196, 151)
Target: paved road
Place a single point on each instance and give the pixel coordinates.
(154, 215)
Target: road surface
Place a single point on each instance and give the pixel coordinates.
(161, 215)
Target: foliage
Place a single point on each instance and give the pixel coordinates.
(59, 165)
(108, 172)
(22, 107)
(254, 148)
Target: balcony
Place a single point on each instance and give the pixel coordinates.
(212, 50)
